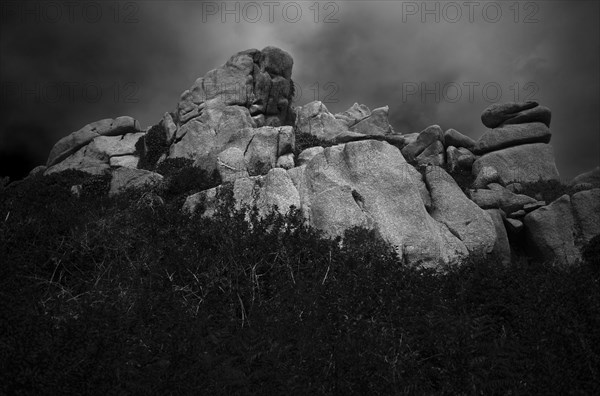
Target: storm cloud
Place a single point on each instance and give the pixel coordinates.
(63, 66)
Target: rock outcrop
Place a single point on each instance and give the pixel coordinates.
(237, 122)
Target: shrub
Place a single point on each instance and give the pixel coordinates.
(546, 190)
(152, 146)
(591, 252)
(463, 177)
(306, 140)
(183, 178)
(99, 297)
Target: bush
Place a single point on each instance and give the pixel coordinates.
(152, 146)
(546, 190)
(591, 252)
(104, 298)
(306, 140)
(183, 178)
(464, 178)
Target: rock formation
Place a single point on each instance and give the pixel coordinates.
(238, 122)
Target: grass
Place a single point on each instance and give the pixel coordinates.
(104, 296)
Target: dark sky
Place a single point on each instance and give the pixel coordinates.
(64, 64)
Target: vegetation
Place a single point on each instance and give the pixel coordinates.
(152, 146)
(306, 140)
(546, 190)
(463, 177)
(100, 296)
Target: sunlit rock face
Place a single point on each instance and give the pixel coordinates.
(439, 197)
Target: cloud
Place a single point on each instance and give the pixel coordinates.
(374, 54)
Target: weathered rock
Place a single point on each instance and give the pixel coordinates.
(537, 114)
(466, 159)
(530, 207)
(425, 138)
(589, 179)
(516, 188)
(286, 161)
(459, 159)
(417, 178)
(306, 155)
(513, 135)
(586, 207)
(354, 114)
(40, 169)
(277, 62)
(551, 231)
(276, 189)
(76, 140)
(486, 175)
(256, 80)
(514, 226)
(198, 141)
(500, 199)
(203, 138)
(314, 119)
(231, 164)
(80, 161)
(494, 115)
(375, 124)
(169, 127)
(128, 161)
(368, 184)
(517, 215)
(124, 179)
(262, 151)
(105, 147)
(501, 249)
(526, 163)
(452, 155)
(432, 155)
(463, 218)
(454, 138)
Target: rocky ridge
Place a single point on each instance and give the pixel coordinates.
(238, 122)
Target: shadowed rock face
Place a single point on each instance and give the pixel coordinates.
(237, 120)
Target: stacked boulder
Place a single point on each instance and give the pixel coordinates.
(234, 118)
(105, 147)
(237, 121)
(516, 145)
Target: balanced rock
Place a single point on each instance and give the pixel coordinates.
(536, 114)
(495, 115)
(513, 135)
(526, 163)
(424, 139)
(257, 80)
(432, 155)
(314, 119)
(454, 138)
(76, 140)
(360, 119)
(500, 199)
